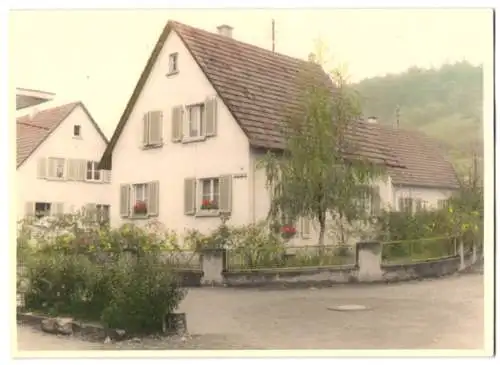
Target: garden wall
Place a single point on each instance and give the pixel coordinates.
(368, 268)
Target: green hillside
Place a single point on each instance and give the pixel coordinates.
(445, 103)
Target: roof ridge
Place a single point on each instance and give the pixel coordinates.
(31, 125)
(230, 39)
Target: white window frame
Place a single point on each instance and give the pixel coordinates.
(103, 212)
(195, 116)
(213, 193)
(93, 170)
(173, 63)
(402, 207)
(142, 196)
(442, 203)
(60, 165)
(46, 211)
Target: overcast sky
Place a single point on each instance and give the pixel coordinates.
(97, 56)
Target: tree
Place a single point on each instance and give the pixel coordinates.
(313, 177)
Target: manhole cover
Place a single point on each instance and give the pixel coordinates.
(348, 308)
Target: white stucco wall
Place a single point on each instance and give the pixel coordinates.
(262, 200)
(74, 194)
(429, 195)
(226, 153)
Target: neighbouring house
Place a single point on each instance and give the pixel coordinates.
(205, 109)
(428, 179)
(27, 97)
(58, 149)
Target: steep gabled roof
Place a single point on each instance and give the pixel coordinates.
(32, 131)
(423, 157)
(257, 85)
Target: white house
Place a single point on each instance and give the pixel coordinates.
(203, 112)
(58, 149)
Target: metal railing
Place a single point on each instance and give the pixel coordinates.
(419, 249)
(290, 257)
(181, 259)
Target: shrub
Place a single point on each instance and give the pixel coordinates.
(60, 284)
(257, 246)
(141, 295)
(93, 272)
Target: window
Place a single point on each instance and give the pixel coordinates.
(172, 63)
(42, 209)
(152, 133)
(93, 173)
(210, 193)
(442, 203)
(196, 120)
(102, 213)
(140, 199)
(56, 167)
(419, 205)
(406, 205)
(76, 130)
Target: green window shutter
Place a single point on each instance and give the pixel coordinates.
(153, 198)
(42, 168)
(124, 200)
(189, 196)
(177, 118)
(210, 117)
(145, 129)
(226, 193)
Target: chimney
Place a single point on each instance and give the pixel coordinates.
(34, 111)
(372, 120)
(311, 57)
(225, 30)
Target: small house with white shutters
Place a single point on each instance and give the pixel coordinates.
(205, 109)
(58, 148)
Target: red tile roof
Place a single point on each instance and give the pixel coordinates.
(258, 86)
(31, 131)
(426, 165)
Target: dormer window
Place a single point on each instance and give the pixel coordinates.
(77, 129)
(173, 66)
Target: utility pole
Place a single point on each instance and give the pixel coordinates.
(273, 32)
(397, 115)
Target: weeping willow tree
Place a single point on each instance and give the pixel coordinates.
(318, 175)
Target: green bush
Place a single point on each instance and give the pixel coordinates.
(92, 272)
(61, 284)
(132, 293)
(142, 294)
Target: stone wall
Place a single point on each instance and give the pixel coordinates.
(292, 276)
(368, 269)
(421, 269)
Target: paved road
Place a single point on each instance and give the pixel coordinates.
(434, 314)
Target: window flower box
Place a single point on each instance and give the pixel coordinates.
(209, 205)
(288, 232)
(140, 207)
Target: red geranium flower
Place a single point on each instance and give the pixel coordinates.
(288, 229)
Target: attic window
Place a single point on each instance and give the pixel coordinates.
(77, 130)
(173, 66)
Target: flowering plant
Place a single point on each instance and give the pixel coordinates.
(209, 204)
(140, 207)
(288, 231)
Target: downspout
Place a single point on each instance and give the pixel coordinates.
(251, 185)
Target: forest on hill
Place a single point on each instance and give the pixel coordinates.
(445, 103)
